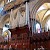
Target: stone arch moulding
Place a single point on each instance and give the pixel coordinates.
(5, 17)
(37, 5)
(35, 8)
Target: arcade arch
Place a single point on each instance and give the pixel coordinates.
(34, 11)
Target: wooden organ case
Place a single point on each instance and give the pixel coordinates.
(20, 37)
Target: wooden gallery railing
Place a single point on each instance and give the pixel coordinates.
(20, 38)
(35, 41)
(40, 39)
(22, 41)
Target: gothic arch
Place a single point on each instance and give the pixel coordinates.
(4, 19)
(5, 33)
(36, 7)
(46, 19)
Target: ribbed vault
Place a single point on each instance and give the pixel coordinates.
(34, 13)
(36, 7)
(5, 19)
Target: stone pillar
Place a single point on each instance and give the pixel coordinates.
(0, 31)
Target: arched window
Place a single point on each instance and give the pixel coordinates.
(6, 33)
(47, 25)
(10, 0)
(1, 6)
(38, 28)
(6, 27)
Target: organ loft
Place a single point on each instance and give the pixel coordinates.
(24, 24)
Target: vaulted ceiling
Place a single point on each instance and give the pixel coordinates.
(41, 15)
(43, 12)
(6, 18)
(11, 4)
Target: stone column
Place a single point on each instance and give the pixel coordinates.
(0, 31)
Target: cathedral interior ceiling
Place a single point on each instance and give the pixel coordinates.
(12, 4)
(40, 14)
(44, 11)
(5, 18)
